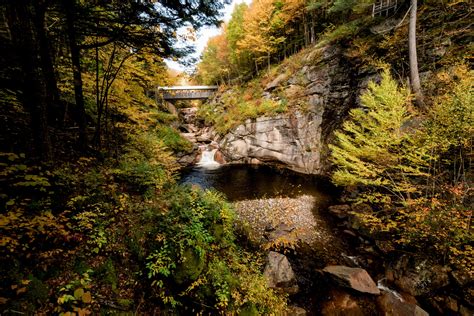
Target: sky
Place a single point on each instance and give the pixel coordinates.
(205, 33)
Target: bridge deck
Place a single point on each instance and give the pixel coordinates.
(186, 92)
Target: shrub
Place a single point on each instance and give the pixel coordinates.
(173, 139)
(193, 257)
(146, 164)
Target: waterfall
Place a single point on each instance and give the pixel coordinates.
(207, 159)
(383, 287)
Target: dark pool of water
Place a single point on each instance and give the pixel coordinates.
(239, 182)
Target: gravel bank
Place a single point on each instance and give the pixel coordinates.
(299, 214)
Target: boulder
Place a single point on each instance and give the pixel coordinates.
(354, 278)
(219, 157)
(279, 273)
(341, 304)
(282, 229)
(390, 305)
(340, 211)
(417, 276)
(295, 311)
(276, 82)
(322, 92)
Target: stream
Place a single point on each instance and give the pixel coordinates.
(266, 197)
(287, 212)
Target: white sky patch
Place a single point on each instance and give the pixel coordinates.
(204, 34)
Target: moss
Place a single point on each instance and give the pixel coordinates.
(126, 303)
(80, 265)
(249, 309)
(190, 268)
(107, 274)
(38, 292)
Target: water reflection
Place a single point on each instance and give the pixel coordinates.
(239, 182)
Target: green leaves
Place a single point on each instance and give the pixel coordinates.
(372, 149)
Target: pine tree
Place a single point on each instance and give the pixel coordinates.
(375, 148)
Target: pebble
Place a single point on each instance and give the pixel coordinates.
(298, 212)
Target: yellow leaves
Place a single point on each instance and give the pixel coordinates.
(22, 287)
(78, 293)
(87, 297)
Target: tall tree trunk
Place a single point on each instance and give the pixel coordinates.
(70, 7)
(52, 91)
(25, 38)
(414, 75)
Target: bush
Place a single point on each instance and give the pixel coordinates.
(147, 164)
(193, 257)
(173, 139)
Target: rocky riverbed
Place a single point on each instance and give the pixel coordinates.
(287, 221)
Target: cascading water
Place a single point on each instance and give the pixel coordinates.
(381, 285)
(207, 159)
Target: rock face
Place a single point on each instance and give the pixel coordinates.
(354, 278)
(279, 273)
(281, 140)
(298, 140)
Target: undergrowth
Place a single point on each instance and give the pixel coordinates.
(95, 237)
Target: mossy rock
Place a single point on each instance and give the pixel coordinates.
(190, 268)
(218, 231)
(108, 274)
(38, 292)
(249, 309)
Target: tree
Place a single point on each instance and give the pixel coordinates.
(373, 149)
(414, 75)
(23, 22)
(70, 9)
(131, 25)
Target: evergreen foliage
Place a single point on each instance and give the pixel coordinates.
(372, 148)
(415, 176)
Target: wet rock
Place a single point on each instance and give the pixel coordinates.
(187, 160)
(282, 229)
(417, 276)
(461, 278)
(466, 311)
(340, 211)
(355, 278)
(390, 305)
(341, 304)
(189, 136)
(219, 157)
(295, 311)
(279, 273)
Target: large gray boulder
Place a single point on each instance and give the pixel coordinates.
(354, 278)
(279, 273)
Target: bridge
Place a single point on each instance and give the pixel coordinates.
(185, 92)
